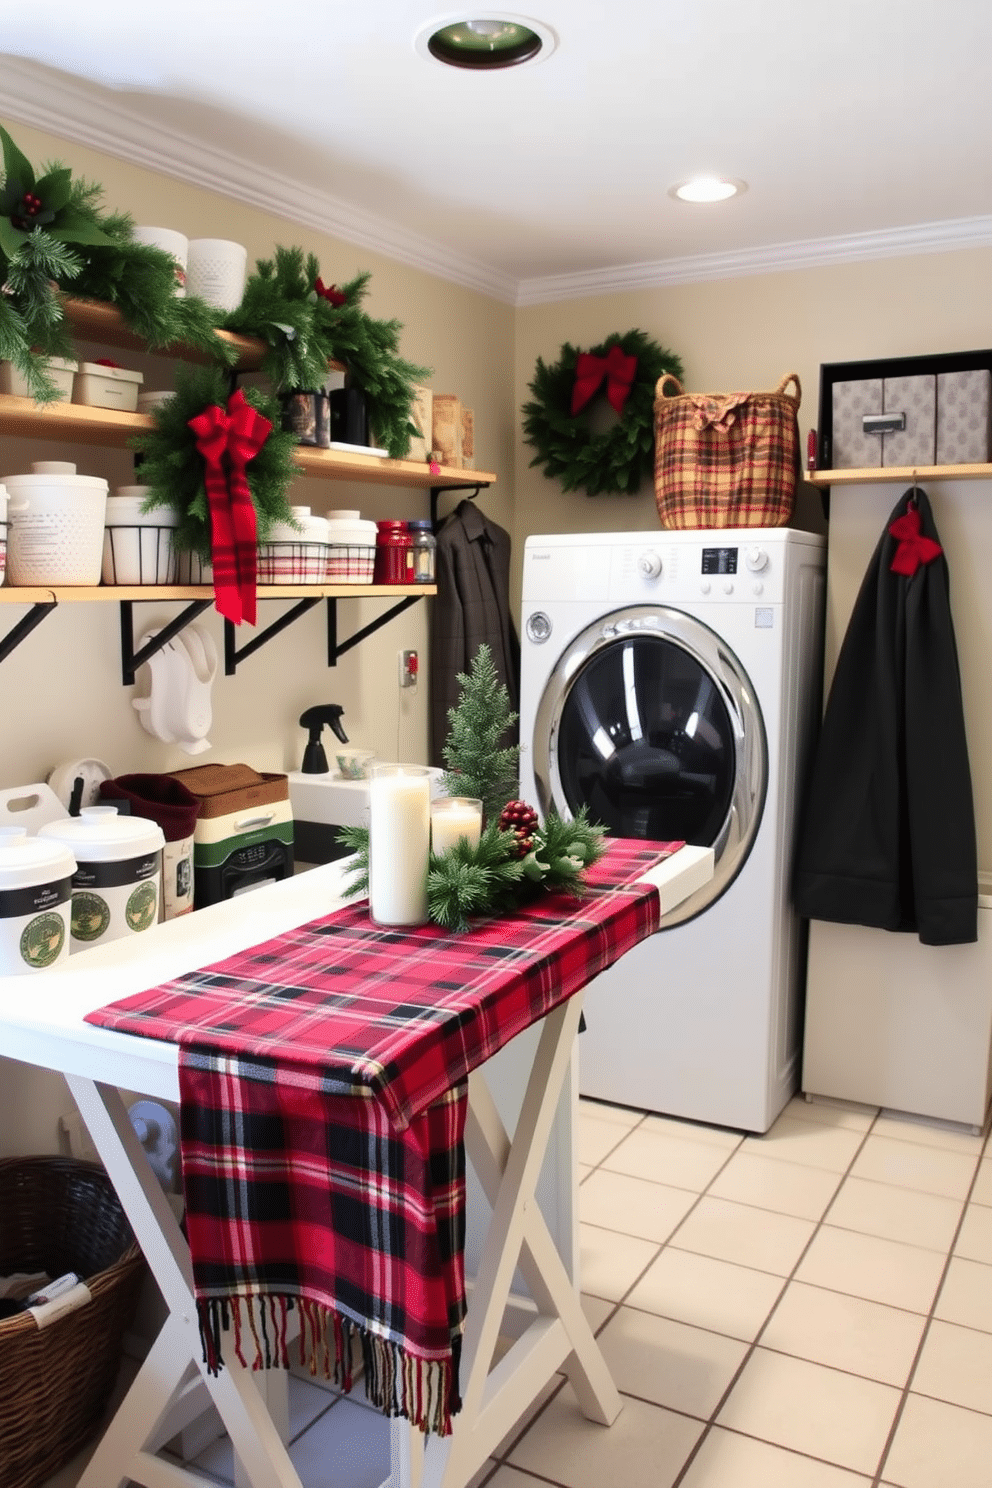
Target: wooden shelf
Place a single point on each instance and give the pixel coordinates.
(116, 592)
(94, 321)
(109, 427)
(898, 474)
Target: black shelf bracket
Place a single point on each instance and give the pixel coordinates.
(131, 660)
(231, 653)
(437, 491)
(336, 648)
(25, 626)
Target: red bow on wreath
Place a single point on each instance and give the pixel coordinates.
(330, 292)
(913, 548)
(227, 441)
(618, 369)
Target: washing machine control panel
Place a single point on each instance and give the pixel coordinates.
(719, 560)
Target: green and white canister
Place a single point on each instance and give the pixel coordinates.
(116, 888)
(35, 893)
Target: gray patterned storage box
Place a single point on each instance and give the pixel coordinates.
(908, 411)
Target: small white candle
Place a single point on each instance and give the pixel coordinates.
(399, 843)
(452, 818)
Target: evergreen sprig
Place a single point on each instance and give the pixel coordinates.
(477, 765)
(466, 883)
(303, 331)
(173, 467)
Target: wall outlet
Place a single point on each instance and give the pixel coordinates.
(409, 668)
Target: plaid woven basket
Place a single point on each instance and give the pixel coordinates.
(726, 459)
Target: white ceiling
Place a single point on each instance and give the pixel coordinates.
(860, 126)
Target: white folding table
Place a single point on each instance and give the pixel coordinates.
(41, 1024)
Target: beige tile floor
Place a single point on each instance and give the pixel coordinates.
(807, 1309)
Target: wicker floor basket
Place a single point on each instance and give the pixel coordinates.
(59, 1215)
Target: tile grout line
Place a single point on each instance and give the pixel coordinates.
(752, 1348)
(907, 1387)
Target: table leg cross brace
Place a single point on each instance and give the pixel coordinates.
(494, 1399)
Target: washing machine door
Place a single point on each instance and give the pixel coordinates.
(650, 721)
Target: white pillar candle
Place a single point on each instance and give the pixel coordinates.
(399, 843)
(454, 817)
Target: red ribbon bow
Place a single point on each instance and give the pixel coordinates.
(330, 292)
(913, 548)
(227, 441)
(618, 369)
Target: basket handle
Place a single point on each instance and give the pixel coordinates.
(667, 377)
(791, 377)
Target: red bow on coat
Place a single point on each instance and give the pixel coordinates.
(618, 369)
(913, 548)
(227, 441)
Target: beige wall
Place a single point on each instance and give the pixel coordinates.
(61, 695)
(747, 333)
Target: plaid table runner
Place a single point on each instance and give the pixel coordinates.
(323, 1080)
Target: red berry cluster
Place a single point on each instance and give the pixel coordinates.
(28, 207)
(520, 819)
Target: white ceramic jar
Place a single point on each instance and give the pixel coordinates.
(55, 525)
(215, 271)
(35, 895)
(176, 244)
(138, 545)
(117, 883)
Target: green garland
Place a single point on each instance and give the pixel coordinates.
(617, 459)
(54, 235)
(495, 877)
(467, 883)
(172, 465)
(305, 326)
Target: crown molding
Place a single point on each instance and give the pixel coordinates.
(76, 110)
(927, 237)
(65, 106)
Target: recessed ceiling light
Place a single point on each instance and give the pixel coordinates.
(707, 189)
(483, 43)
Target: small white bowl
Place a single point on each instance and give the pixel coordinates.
(353, 764)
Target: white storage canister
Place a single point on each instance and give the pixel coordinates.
(117, 883)
(3, 531)
(35, 893)
(138, 545)
(351, 555)
(55, 525)
(295, 554)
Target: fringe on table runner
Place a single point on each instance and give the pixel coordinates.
(423, 1391)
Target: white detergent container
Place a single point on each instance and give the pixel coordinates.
(116, 887)
(35, 895)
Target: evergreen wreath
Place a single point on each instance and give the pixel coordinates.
(305, 325)
(612, 461)
(512, 863)
(173, 467)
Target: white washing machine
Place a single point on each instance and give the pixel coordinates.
(671, 682)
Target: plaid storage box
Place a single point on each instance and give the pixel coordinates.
(726, 459)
